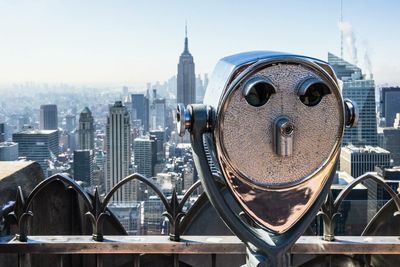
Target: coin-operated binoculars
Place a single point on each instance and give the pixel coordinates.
(268, 136)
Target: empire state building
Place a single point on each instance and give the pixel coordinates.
(186, 81)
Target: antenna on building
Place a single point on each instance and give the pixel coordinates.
(185, 28)
(341, 30)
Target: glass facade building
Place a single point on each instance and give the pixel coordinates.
(361, 90)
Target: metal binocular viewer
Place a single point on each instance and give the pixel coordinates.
(266, 143)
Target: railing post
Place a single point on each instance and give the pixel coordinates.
(24, 260)
(329, 214)
(99, 260)
(136, 260)
(176, 260)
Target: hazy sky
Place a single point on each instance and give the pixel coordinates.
(132, 42)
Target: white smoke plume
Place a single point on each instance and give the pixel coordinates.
(367, 63)
(349, 38)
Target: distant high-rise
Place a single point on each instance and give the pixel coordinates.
(158, 114)
(361, 90)
(390, 99)
(137, 109)
(2, 132)
(8, 151)
(86, 129)
(358, 160)
(48, 117)
(201, 85)
(146, 122)
(186, 80)
(118, 152)
(140, 109)
(145, 151)
(38, 145)
(160, 140)
(391, 140)
(83, 166)
(23, 121)
(70, 122)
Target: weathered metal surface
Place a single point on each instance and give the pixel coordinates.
(123, 245)
(348, 245)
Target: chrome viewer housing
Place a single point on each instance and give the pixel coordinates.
(279, 121)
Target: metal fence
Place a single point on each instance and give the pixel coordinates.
(23, 246)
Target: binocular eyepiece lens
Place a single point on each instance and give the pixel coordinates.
(311, 92)
(257, 91)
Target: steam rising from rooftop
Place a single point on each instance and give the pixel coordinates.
(349, 38)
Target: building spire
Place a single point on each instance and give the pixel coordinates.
(341, 30)
(186, 39)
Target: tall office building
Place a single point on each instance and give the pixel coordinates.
(38, 145)
(83, 166)
(2, 132)
(86, 129)
(158, 114)
(146, 122)
(119, 152)
(137, 110)
(186, 80)
(160, 141)
(356, 161)
(48, 117)
(23, 121)
(361, 90)
(70, 122)
(8, 151)
(391, 140)
(140, 109)
(145, 153)
(389, 104)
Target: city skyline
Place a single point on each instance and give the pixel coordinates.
(60, 41)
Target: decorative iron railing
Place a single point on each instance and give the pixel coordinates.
(100, 244)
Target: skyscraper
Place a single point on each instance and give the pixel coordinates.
(361, 90)
(38, 145)
(145, 153)
(70, 122)
(83, 166)
(186, 80)
(48, 117)
(158, 112)
(118, 152)
(2, 132)
(137, 109)
(391, 140)
(86, 129)
(390, 99)
(160, 140)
